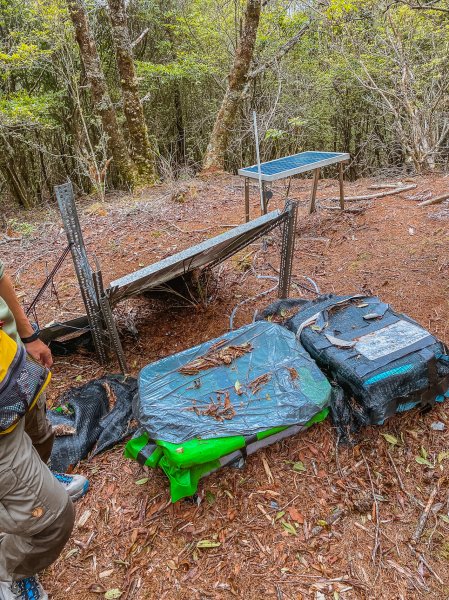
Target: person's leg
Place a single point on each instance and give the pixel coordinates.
(36, 513)
(41, 433)
(39, 428)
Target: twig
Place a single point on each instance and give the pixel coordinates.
(330, 521)
(234, 310)
(405, 188)
(230, 226)
(325, 580)
(6, 239)
(424, 515)
(426, 564)
(401, 485)
(376, 546)
(381, 186)
(436, 200)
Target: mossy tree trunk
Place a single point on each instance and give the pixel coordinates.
(237, 78)
(142, 153)
(100, 95)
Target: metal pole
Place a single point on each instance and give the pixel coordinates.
(342, 191)
(259, 170)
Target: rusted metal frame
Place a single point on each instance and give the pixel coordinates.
(288, 248)
(66, 203)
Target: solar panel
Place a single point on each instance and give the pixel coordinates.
(212, 250)
(291, 165)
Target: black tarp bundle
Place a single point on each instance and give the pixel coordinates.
(383, 360)
(92, 418)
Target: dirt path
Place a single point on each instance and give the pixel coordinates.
(132, 539)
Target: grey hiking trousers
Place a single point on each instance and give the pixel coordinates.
(36, 513)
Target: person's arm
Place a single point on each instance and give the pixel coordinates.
(37, 349)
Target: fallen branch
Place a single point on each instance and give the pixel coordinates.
(436, 200)
(357, 211)
(401, 484)
(6, 239)
(381, 186)
(405, 188)
(377, 544)
(426, 564)
(424, 515)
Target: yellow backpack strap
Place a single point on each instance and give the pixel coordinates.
(12, 358)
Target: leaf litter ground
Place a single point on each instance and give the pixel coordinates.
(302, 519)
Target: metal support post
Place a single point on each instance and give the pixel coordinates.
(66, 202)
(246, 199)
(114, 337)
(288, 248)
(111, 332)
(316, 176)
(341, 182)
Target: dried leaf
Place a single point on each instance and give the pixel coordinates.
(107, 573)
(442, 456)
(238, 388)
(423, 461)
(210, 497)
(444, 518)
(207, 544)
(84, 518)
(288, 527)
(142, 481)
(299, 466)
(296, 515)
(62, 430)
(391, 439)
(96, 588)
(113, 594)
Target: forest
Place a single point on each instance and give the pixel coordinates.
(242, 405)
(117, 94)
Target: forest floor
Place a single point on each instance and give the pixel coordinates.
(129, 537)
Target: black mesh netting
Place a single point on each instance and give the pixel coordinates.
(93, 417)
(384, 361)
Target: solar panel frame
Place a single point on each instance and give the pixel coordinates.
(322, 159)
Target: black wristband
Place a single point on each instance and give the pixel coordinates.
(33, 337)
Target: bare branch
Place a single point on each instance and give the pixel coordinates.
(140, 38)
(283, 50)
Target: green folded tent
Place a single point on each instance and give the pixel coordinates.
(211, 405)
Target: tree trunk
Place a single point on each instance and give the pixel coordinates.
(100, 95)
(218, 142)
(141, 149)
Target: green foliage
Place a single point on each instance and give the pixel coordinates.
(27, 110)
(369, 77)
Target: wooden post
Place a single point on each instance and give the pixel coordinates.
(342, 191)
(316, 176)
(246, 199)
(264, 196)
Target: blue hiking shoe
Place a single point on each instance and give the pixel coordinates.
(76, 485)
(23, 589)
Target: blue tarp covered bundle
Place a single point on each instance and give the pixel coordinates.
(176, 406)
(384, 361)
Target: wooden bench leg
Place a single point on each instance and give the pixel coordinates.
(342, 191)
(246, 199)
(316, 176)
